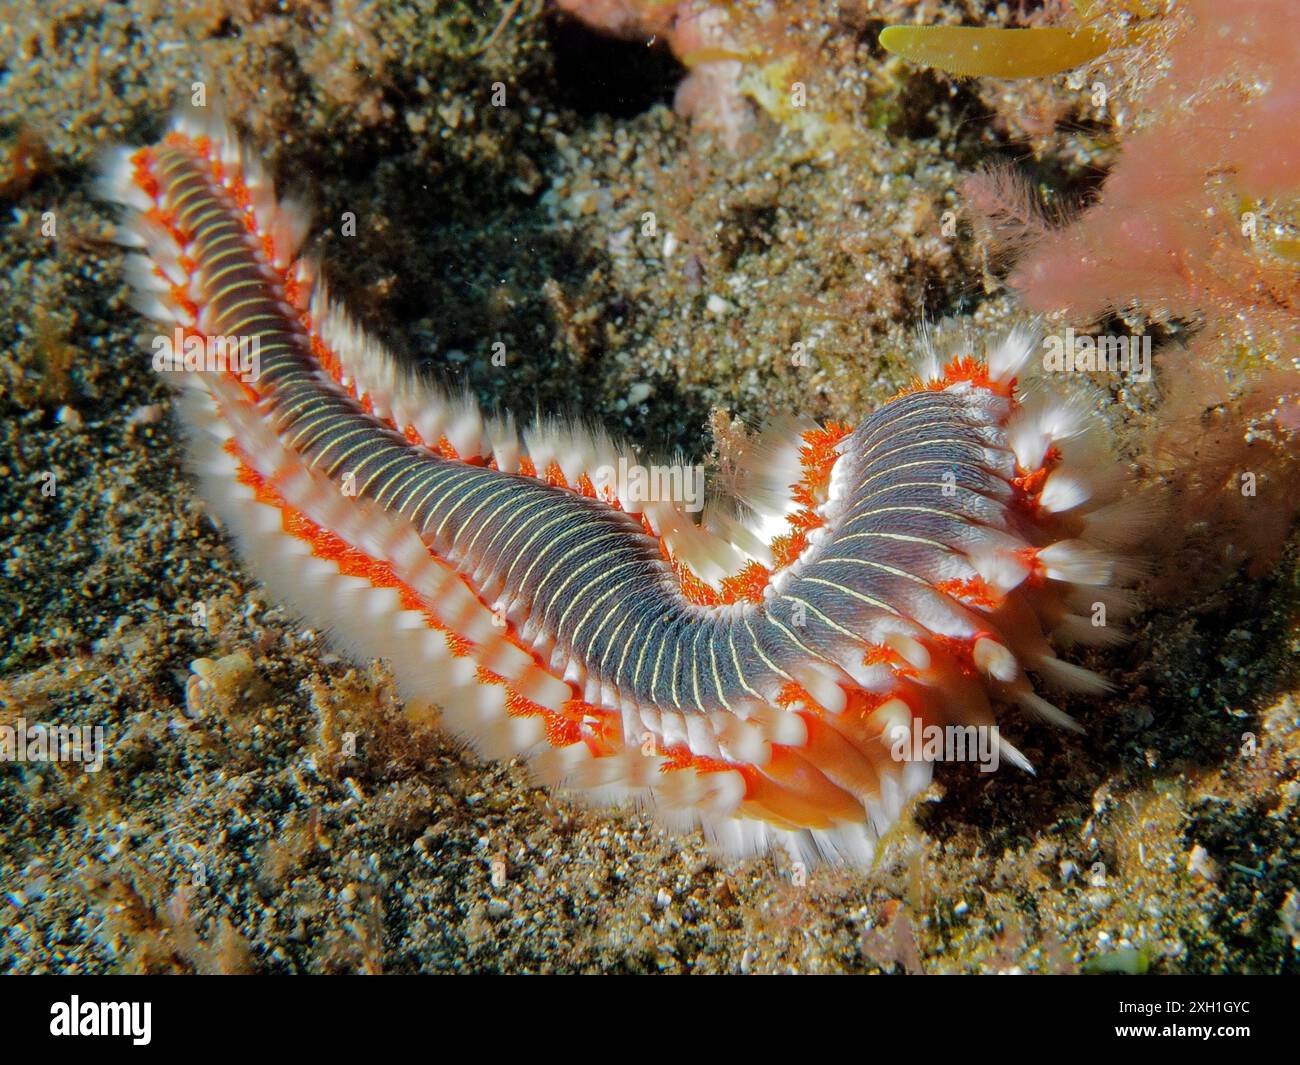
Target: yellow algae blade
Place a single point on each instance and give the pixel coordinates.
(980, 52)
(1287, 249)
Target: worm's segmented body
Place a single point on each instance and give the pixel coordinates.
(751, 673)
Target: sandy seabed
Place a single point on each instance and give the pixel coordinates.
(237, 832)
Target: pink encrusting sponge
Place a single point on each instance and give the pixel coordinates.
(748, 673)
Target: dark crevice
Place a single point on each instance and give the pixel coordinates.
(600, 75)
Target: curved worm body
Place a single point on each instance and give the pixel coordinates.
(753, 673)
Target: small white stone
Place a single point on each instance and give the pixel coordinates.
(1200, 863)
(639, 393)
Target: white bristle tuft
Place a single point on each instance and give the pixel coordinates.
(1049, 712)
(116, 182)
(1079, 629)
(1069, 677)
(1064, 491)
(1012, 754)
(1010, 356)
(1028, 442)
(995, 659)
(1122, 523)
(1075, 561)
(1000, 570)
